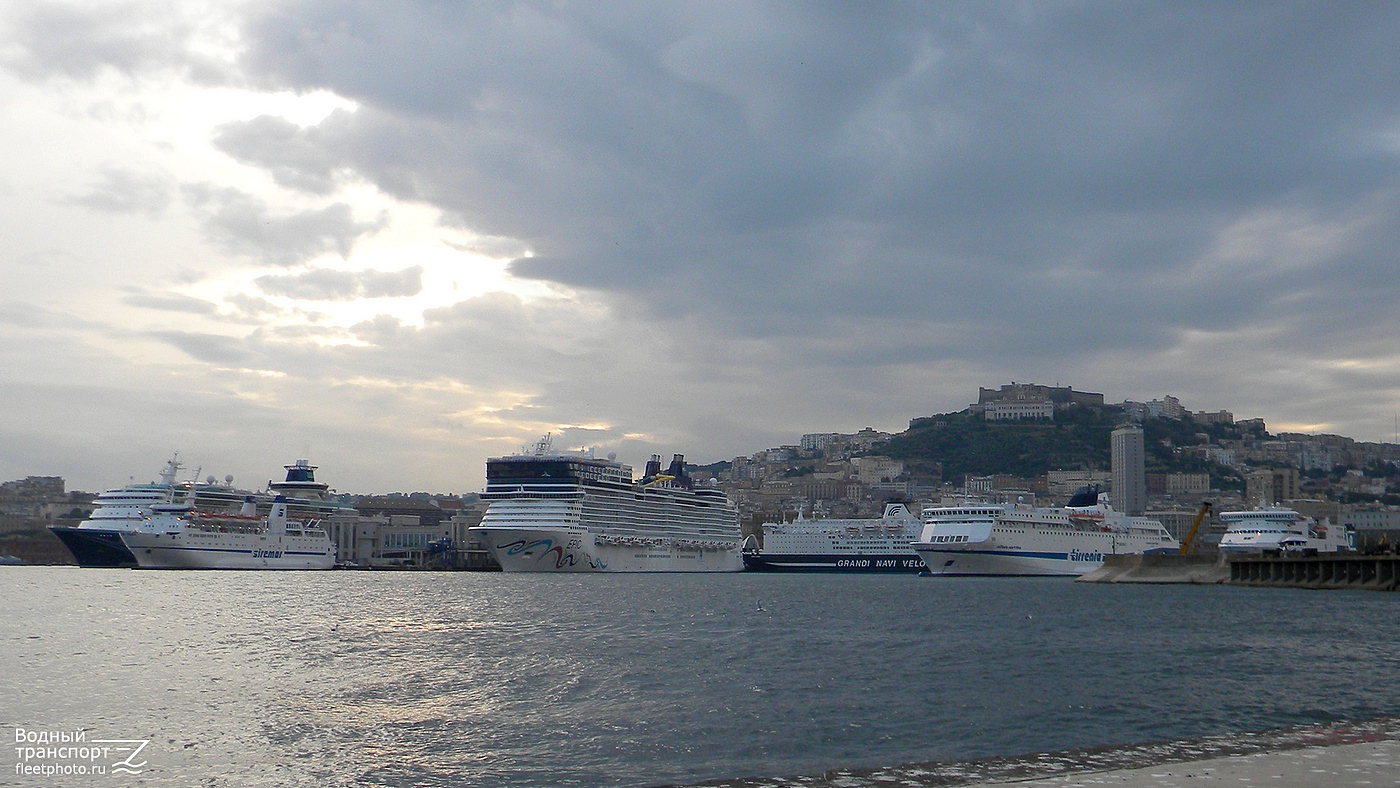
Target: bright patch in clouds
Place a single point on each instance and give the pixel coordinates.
(410, 266)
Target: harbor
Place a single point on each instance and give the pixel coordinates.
(644, 679)
(707, 395)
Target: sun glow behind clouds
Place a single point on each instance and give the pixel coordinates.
(452, 265)
(455, 264)
(161, 127)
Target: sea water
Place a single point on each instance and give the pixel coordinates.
(488, 679)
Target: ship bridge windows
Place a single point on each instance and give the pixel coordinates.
(554, 470)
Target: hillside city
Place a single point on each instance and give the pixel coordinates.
(1192, 457)
(1021, 442)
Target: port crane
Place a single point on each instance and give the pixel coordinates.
(1195, 526)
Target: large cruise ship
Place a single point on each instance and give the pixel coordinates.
(1025, 540)
(881, 544)
(97, 542)
(571, 512)
(1273, 528)
(177, 536)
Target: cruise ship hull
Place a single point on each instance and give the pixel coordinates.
(204, 550)
(829, 562)
(96, 548)
(519, 549)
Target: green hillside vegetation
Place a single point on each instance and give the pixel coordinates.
(966, 443)
(1077, 439)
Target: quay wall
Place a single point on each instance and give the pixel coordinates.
(1339, 570)
(1160, 568)
(1333, 571)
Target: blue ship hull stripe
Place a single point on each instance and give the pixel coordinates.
(791, 562)
(231, 550)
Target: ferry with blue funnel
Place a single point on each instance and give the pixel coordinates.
(177, 536)
(97, 541)
(1026, 540)
(552, 511)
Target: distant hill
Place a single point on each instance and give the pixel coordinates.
(1077, 439)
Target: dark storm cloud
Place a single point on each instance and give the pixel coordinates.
(244, 225)
(984, 166)
(770, 218)
(328, 285)
(124, 191)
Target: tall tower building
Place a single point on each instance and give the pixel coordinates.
(1129, 470)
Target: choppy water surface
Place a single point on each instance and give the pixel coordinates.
(484, 679)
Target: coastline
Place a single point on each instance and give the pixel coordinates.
(1329, 754)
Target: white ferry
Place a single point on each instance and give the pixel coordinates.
(880, 544)
(97, 542)
(1274, 528)
(176, 536)
(572, 512)
(1025, 540)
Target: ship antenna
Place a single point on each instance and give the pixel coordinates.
(544, 445)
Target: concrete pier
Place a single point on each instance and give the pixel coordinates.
(1336, 570)
(1286, 570)
(1161, 568)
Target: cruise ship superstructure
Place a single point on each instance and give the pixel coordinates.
(1274, 528)
(97, 542)
(879, 544)
(1027, 540)
(554, 511)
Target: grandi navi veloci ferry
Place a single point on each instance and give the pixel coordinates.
(554, 511)
(881, 544)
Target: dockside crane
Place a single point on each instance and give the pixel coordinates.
(1195, 526)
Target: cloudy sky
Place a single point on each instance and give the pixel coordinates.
(397, 238)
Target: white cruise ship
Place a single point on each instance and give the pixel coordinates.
(1024, 540)
(1274, 528)
(880, 544)
(96, 541)
(571, 512)
(177, 536)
